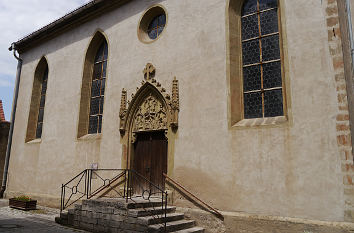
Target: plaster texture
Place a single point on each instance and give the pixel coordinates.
(290, 169)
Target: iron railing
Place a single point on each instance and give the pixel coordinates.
(113, 183)
(182, 188)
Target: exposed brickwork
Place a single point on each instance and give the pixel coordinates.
(343, 125)
(2, 114)
(4, 133)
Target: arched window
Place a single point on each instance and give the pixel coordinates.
(261, 59)
(38, 98)
(42, 104)
(93, 86)
(97, 89)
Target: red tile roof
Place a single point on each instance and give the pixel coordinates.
(2, 114)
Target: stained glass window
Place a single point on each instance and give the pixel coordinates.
(44, 83)
(97, 89)
(156, 26)
(262, 76)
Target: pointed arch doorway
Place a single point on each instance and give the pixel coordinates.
(147, 128)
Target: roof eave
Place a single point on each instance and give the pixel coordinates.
(80, 15)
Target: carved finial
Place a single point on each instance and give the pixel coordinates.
(123, 111)
(175, 94)
(149, 71)
(123, 104)
(175, 104)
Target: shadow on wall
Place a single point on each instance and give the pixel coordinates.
(203, 185)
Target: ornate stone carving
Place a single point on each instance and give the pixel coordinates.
(175, 103)
(151, 115)
(150, 108)
(123, 110)
(149, 71)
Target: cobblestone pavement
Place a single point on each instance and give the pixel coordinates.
(36, 221)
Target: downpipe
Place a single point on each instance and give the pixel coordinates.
(13, 116)
(350, 30)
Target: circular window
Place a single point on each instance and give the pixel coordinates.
(152, 24)
(156, 26)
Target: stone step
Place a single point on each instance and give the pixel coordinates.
(121, 203)
(64, 215)
(142, 212)
(191, 230)
(172, 226)
(135, 203)
(150, 220)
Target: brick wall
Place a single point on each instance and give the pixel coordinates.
(344, 139)
(4, 133)
(2, 114)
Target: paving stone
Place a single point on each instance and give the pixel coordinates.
(37, 221)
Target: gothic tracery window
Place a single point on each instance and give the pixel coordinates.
(97, 89)
(262, 75)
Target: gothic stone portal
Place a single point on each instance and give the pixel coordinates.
(151, 115)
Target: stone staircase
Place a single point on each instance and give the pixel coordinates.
(116, 215)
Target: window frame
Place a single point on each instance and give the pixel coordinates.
(100, 96)
(281, 59)
(235, 70)
(86, 85)
(35, 98)
(41, 94)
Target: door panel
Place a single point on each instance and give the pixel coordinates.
(142, 163)
(158, 159)
(150, 160)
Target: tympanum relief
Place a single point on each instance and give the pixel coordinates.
(151, 115)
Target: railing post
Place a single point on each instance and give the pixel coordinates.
(129, 174)
(166, 212)
(88, 183)
(130, 188)
(64, 198)
(86, 191)
(61, 198)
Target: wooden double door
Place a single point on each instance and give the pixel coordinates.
(150, 161)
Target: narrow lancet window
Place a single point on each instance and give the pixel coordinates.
(97, 89)
(42, 104)
(261, 56)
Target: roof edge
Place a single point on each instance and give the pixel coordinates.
(84, 12)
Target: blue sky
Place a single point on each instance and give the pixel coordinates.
(17, 19)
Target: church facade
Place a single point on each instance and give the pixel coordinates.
(245, 103)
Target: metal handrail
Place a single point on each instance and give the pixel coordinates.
(191, 194)
(81, 185)
(114, 179)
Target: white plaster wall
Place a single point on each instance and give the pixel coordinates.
(291, 169)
